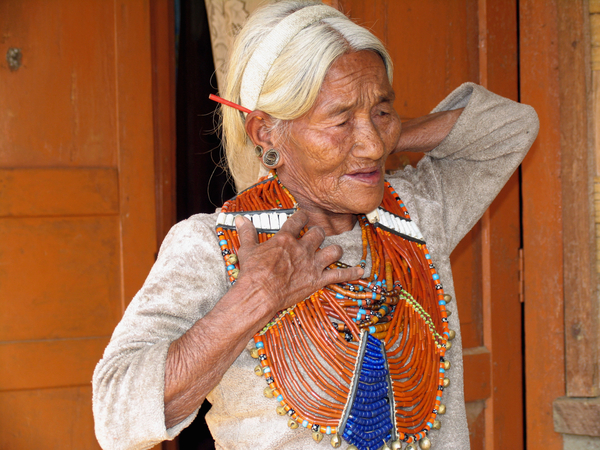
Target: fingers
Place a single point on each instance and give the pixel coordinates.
(328, 255)
(295, 223)
(336, 276)
(246, 232)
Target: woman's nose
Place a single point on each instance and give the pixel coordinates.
(368, 143)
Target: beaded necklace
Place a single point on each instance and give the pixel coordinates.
(363, 361)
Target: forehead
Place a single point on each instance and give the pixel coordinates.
(354, 77)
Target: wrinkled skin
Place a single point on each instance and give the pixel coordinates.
(333, 163)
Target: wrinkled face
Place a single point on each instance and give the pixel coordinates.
(334, 160)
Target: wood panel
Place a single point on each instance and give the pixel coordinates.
(45, 364)
(466, 261)
(58, 192)
(77, 209)
(581, 302)
(59, 277)
(135, 143)
(542, 224)
(68, 73)
(477, 366)
(47, 419)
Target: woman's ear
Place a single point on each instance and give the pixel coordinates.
(259, 126)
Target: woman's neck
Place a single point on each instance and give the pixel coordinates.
(332, 223)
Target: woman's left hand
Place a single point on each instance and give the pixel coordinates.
(425, 133)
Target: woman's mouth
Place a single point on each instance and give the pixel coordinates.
(369, 175)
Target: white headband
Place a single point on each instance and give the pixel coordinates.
(273, 44)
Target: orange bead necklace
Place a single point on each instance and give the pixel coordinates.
(363, 361)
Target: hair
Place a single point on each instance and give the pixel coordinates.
(294, 80)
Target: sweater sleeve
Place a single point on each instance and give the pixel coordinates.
(464, 174)
(186, 281)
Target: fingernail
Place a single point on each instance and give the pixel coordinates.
(239, 220)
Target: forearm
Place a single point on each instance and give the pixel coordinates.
(197, 361)
(425, 133)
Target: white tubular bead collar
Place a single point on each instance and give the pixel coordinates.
(273, 44)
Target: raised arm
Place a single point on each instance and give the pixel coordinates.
(456, 181)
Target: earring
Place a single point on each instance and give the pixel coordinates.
(258, 150)
(271, 158)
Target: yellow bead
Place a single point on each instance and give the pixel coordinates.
(452, 334)
(447, 365)
(281, 410)
(448, 345)
(258, 371)
(425, 443)
(437, 424)
(317, 436)
(235, 273)
(268, 392)
(442, 409)
(254, 353)
(336, 440)
(447, 298)
(292, 424)
(232, 259)
(446, 382)
(396, 445)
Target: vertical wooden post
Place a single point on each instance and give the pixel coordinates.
(542, 224)
(162, 23)
(581, 304)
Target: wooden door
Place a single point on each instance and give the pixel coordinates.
(437, 45)
(77, 214)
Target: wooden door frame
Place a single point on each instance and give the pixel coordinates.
(162, 26)
(561, 340)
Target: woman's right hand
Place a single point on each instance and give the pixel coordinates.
(273, 276)
(287, 269)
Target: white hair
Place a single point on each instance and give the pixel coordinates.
(294, 79)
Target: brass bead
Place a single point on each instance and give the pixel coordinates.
(235, 273)
(292, 424)
(396, 445)
(437, 424)
(336, 440)
(268, 392)
(254, 353)
(383, 447)
(447, 298)
(448, 313)
(442, 409)
(281, 410)
(352, 447)
(452, 334)
(447, 365)
(446, 382)
(258, 371)
(411, 447)
(425, 443)
(232, 259)
(448, 345)
(317, 436)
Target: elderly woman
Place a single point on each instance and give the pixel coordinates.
(342, 278)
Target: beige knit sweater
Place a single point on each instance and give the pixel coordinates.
(445, 194)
